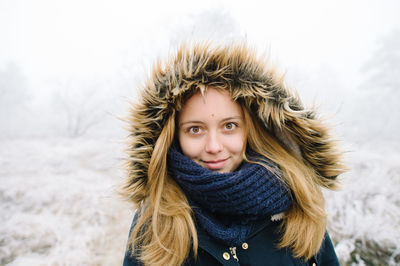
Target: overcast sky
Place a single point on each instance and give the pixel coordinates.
(52, 38)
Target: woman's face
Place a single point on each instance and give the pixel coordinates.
(212, 131)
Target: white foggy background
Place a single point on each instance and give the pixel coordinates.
(68, 70)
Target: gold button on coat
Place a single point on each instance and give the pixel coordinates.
(226, 256)
(245, 245)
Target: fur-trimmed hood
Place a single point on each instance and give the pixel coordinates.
(250, 80)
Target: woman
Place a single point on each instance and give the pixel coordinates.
(225, 166)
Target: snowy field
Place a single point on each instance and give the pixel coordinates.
(59, 204)
(364, 216)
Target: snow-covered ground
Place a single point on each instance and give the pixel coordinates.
(364, 216)
(59, 204)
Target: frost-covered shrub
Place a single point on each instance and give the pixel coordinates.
(58, 203)
(364, 217)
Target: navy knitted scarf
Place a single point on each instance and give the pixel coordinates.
(227, 205)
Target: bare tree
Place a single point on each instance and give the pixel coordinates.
(214, 24)
(13, 99)
(12, 88)
(82, 104)
(384, 65)
(381, 90)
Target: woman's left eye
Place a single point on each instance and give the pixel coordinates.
(195, 130)
(230, 126)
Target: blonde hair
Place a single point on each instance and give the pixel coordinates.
(165, 232)
(304, 225)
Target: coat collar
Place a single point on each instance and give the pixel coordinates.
(208, 243)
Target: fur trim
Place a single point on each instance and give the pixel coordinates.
(277, 217)
(252, 81)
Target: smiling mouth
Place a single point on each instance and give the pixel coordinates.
(215, 165)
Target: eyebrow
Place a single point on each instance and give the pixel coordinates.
(190, 122)
(232, 118)
(201, 122)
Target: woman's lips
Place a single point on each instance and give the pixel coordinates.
(214, 165)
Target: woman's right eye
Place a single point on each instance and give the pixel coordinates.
(194, 130)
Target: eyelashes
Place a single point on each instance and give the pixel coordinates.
(228, 127)
(195, 130)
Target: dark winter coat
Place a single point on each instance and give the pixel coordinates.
(259, 249)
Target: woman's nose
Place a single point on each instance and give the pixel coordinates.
(213, 145)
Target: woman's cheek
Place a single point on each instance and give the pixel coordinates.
(235, 144)
(191, 147)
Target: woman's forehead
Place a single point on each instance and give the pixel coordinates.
(214, 103)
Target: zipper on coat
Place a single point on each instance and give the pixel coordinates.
(233, 252)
